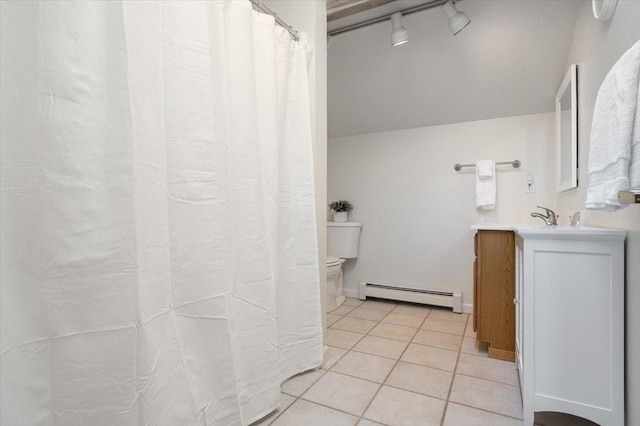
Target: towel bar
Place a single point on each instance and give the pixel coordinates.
(631, 196)
(515, 165)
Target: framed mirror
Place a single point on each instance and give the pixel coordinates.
(567, 131)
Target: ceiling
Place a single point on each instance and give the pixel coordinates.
(509, 61)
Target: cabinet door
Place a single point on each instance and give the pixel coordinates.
(476, 281)
(518, 301)
(476, 304)
(495, 291)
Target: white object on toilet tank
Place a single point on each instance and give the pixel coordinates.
(343, 239)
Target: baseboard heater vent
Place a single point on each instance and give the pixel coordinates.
(428, 297)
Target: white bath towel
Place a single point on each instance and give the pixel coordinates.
(614, 151)
(486, 185)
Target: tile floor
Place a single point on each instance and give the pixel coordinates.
(400, 364)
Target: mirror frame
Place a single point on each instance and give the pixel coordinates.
(570, 82)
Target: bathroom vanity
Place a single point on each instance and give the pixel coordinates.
(570, 321)
(494, 290)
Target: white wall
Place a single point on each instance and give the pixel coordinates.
(310, 17)
(417, 211)
(596, 47)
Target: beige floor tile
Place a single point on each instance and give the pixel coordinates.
(468, 332)
(309, 414)
(342, 392)
(431, 357)
(487, 395)
(332, 356)
(331, 319)
(381, 306)
(419, 311)
(399, 407)
(354, 324)
(343, 310)
(349, 301)
(403, 319)
(298, 384)
(368, 314)
(424, 380)
(380, 346)
(459, 415)
(393, 331)
(448, 315)
(342, 339)
(488, 368)
(365, 422)
(437, 339)
(443, 326)
(364, 366)
(471, 345)
(285, 402)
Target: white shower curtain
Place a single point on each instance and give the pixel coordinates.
(159, 253)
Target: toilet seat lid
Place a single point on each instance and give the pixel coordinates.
(333, 261)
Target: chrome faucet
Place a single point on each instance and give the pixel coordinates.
(550, 219)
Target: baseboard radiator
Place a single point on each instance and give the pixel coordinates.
(428, 297)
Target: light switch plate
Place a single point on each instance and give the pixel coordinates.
(530, 185)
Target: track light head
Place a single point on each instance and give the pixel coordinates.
(399, 34)
(457, 20)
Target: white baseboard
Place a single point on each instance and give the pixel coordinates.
(351, 293)
(467, 308)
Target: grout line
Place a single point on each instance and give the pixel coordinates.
(387, 376)
(392, 386)
(338, 360)
(312, 383)
(391, 371)
(398, 360)
(295, 399)
(453, 378)
(381, 356)
(332, 408)
(488, 380)
(485, 410)
(443, 332)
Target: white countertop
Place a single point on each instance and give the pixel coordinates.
(492, 227)
(570, 232)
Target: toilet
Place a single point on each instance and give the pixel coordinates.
(343, 239)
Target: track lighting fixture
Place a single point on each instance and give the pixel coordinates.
(457, 20)
(399, 35)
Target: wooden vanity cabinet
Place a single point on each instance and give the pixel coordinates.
(494, 292)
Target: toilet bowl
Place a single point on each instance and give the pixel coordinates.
(343, 239)
(335, 289)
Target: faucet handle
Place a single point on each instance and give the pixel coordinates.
(575, 218)
(551, 216)
(548, 211)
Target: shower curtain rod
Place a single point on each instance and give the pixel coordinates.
(259, 5)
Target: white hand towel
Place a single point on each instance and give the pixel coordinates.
(614, 150)
(486, 186)
(485, 168)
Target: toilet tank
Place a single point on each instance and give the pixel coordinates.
(343, 239)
